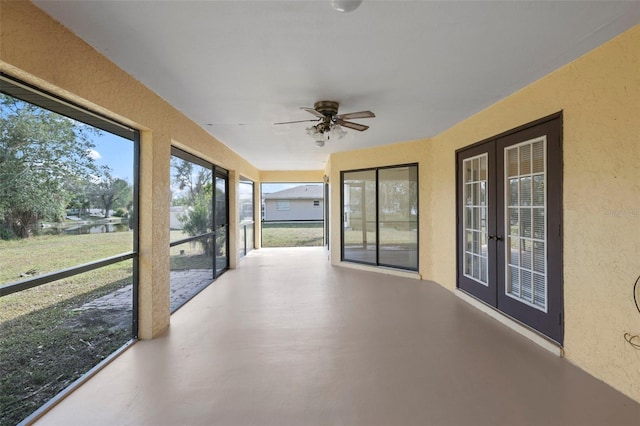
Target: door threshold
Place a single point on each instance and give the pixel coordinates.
(516, 326)
(382, 270)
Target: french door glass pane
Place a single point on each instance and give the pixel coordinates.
(398, 216)
(525, 183)
(359, 221)
(475, 219)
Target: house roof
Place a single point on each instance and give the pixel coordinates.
(302, 192)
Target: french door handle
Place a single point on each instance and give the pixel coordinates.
(495, 237)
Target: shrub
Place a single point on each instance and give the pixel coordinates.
(198, 219)
(120, 213)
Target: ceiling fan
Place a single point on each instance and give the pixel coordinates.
(330, 122)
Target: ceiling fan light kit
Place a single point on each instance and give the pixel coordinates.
(323, 132)
(329, 123)
(345, 5)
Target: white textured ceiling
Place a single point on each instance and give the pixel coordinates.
(236, 67)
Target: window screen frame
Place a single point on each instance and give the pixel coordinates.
(49, 101)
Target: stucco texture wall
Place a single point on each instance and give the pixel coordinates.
(296, 176)
(599, 95)
(40, 51)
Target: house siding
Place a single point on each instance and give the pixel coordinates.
(298, 210)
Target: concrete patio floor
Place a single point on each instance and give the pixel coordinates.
(287, 339)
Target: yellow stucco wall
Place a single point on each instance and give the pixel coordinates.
(40, 51)
(291, 176)
(599, 95)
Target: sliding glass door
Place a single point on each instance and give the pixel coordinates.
(397, 217)
(380, 216)
(359, 236)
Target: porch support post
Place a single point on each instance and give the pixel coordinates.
(234, 231)
(154, 268)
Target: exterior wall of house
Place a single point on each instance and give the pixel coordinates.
(281, 176)
(599, 95)
(298, 210)
(40, 51)
(174, 217)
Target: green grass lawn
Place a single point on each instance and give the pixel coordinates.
(189, 255)
(295, 234)
(49, 253)
(44, 350)
(46, 343)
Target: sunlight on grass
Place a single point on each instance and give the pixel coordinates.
(292, 234)
(49, 253)
(189, 256)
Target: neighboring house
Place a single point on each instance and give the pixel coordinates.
(304, 202)
(174, 213)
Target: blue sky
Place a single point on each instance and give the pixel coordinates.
(116, 152)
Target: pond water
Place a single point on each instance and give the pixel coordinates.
(86, 229)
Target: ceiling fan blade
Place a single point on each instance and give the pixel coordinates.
(313, 111)
(291, 122)
(359, 114)
(351, 125)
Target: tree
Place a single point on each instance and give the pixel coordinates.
(111, 192)
(190, 179)
(198, 219)
(195, 186)
(80, 195)
(39, 150)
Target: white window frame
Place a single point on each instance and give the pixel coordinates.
(283, 205)
(544, 308)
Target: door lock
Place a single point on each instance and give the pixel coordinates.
(495, 237)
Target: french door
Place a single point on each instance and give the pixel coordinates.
(509, 214)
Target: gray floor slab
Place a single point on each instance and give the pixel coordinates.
(287, 339)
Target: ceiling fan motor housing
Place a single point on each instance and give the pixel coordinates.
(326, 108)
